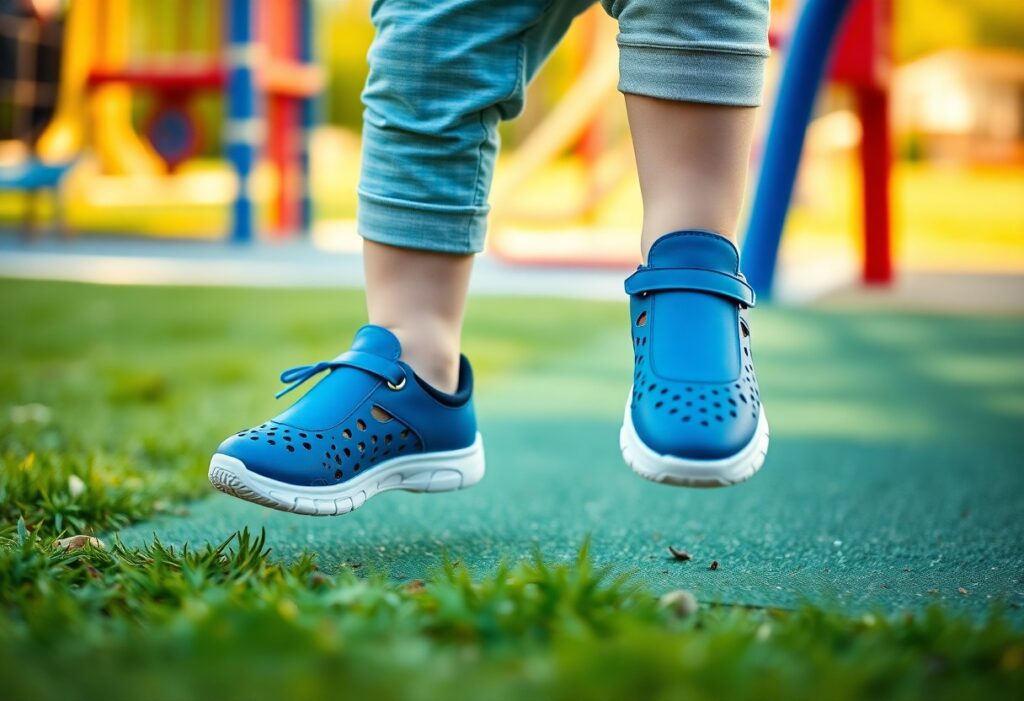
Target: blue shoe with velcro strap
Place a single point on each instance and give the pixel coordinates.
(694, 417)
(370, 425)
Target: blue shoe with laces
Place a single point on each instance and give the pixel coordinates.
(694, 417)
(370, 425)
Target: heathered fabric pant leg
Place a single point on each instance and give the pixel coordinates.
(444, 73)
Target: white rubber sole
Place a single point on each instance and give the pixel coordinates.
(428, 472)
(669, 469)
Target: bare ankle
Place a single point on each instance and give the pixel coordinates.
(434, 356)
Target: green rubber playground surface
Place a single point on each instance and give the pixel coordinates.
(893, 481)
(894, 478)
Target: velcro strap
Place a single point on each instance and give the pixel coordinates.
(697, 279)
(374, 364)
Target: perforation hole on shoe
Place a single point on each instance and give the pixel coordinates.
(346, 434)
(362, 447)
(307, 446)
(348, 453)
(360, 424)
(404, 434)
(380, 414)
(337, 474)
(290, 447)
(744, 331)
(642, 319)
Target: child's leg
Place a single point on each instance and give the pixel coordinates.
(395, 411)
(692, 173)
(691, 72)
(442, 75)
(420, 296)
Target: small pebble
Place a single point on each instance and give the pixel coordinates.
(76, 487)
(680, 603)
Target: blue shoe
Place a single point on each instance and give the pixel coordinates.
(694, 417)
(370, 425)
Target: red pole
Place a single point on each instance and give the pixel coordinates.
(876, 165)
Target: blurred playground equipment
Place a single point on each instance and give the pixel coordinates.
(846, 40)
(186, 118)
(26, 44)
(852, 39)
(257, 55)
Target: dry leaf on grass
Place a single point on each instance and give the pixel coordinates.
(77, 542)
(679, 554)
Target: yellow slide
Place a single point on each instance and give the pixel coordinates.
(101, 117)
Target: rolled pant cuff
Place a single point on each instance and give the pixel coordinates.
(692, 74)
(425, 227)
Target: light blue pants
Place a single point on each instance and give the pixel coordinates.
(443, 73)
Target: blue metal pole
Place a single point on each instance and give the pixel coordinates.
(808, 55)
(244, 130)
(309, 108)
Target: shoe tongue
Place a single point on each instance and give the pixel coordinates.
(697, 335)
(694, 249)
(378, 341)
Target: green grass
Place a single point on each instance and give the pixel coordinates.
(111, 400)
(227, 622)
